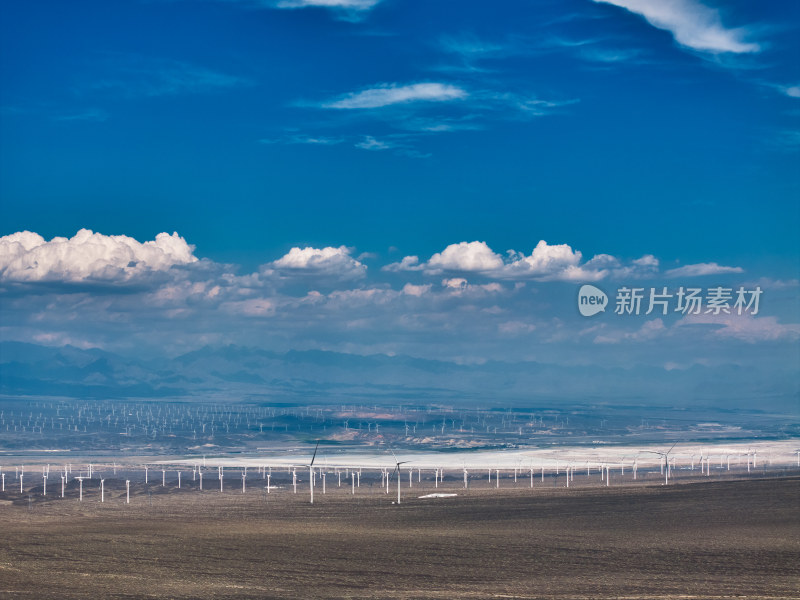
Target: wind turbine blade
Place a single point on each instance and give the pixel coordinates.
(315, 454)
(673, 445)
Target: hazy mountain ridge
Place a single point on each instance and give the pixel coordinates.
(239, 372)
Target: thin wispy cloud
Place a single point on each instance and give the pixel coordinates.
(788, 140)
(347, 10)
(692, 24)
(469, 45)
(304, 139)
(370, 143)
(391, 94)
(610, 55)
(91, 115)
(57, 114)
(469, 50)
(522, 105)
(442, 124)
(793, 91)
(700, 269)
(137, 76)
(343, 4)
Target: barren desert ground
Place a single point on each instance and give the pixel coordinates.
(722, 539)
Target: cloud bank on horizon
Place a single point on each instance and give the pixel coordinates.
(88, 256)
(465, 304)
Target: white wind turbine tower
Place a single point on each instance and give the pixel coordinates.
(665, 457)
(80, 482)
(311, 473)
(397, 470)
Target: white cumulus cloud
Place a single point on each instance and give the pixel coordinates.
(465, 256)
(320, 261)
(88, 256)
(692, 24)
(547, 262)
(410, 289)
(409, 263)
(558, 261)
(386, 95)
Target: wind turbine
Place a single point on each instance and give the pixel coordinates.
(311, 472)
(80, 483)
(397, 470)
(665, 457)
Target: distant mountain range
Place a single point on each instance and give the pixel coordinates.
(238, 373)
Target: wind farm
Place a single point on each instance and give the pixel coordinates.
(501, 516)
(446, 541)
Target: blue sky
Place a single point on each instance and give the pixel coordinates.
(368, 131)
